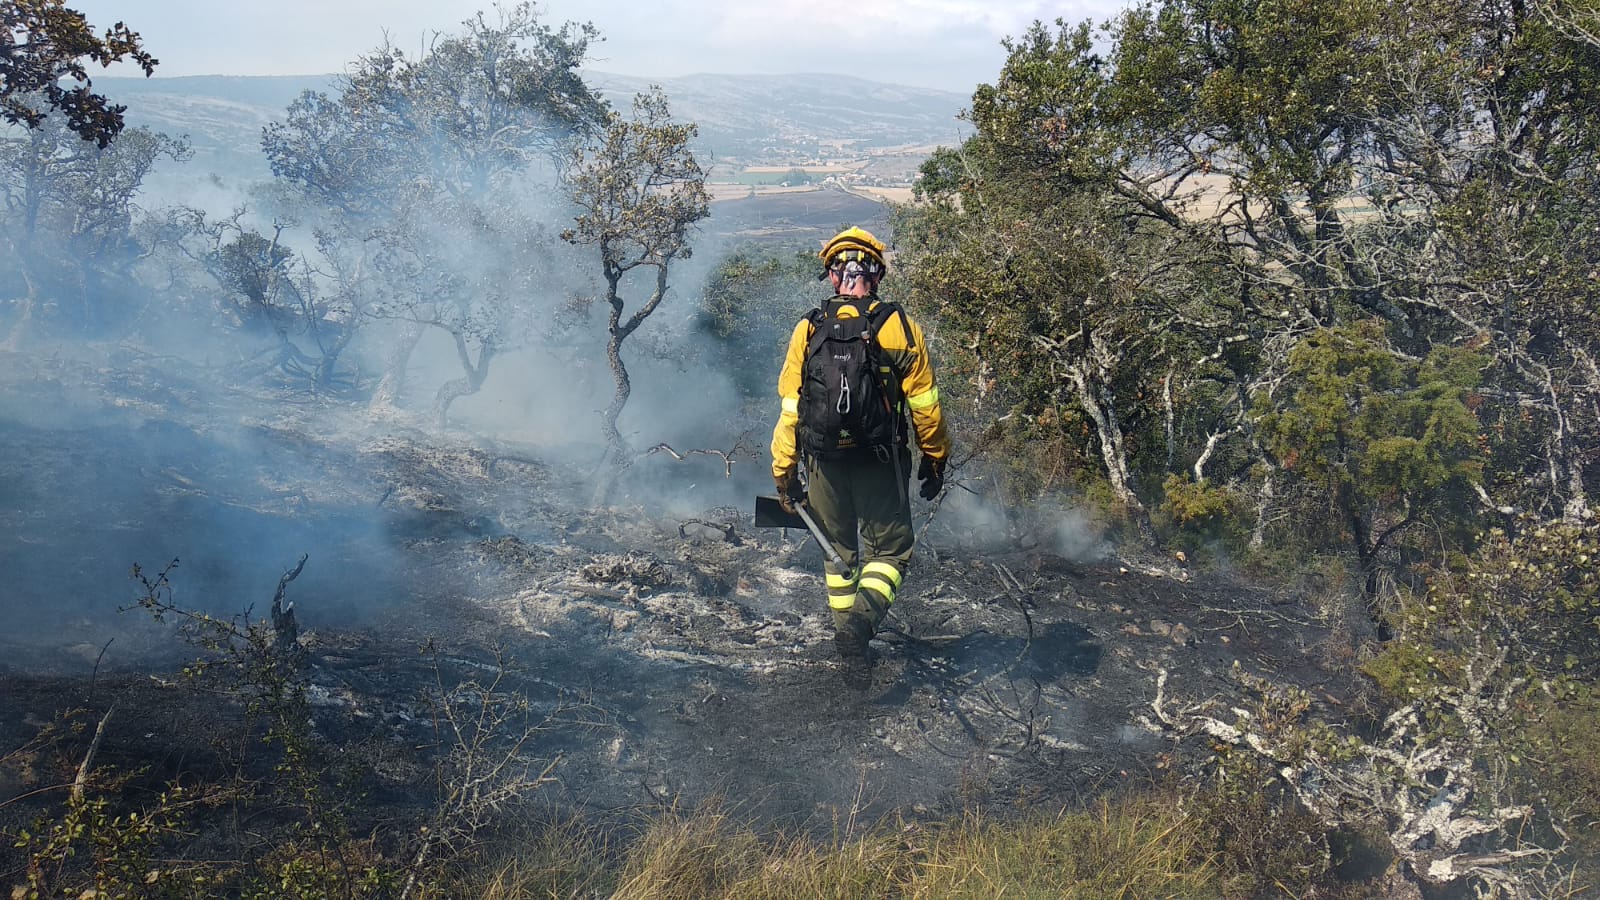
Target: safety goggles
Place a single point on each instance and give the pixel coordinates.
(854, 263)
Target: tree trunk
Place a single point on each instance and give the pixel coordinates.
(1264, 500)
(328, 364)
(616, 452)
(386, 397)
(1100, 405)
(26, 323)
(619, 398)
(1360, 524)
(466, 385)
(1575, 510)
(22, 327)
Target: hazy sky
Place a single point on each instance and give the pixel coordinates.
(949, 44)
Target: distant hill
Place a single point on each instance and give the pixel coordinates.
(221, 115)
(753, 119)
(743, 119)
(789, 118)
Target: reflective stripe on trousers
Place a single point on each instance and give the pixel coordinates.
(880, 578)
(866, 516)
(842, 590)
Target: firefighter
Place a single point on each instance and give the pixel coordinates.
(856, 485)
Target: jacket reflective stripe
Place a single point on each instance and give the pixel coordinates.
(925, 399)
(791, 405)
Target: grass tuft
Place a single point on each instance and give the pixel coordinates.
(1137, 848)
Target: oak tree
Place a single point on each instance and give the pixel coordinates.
(638, 191)
(422, 178)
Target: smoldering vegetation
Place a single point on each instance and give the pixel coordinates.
(178, 371)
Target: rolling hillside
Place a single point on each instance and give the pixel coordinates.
(743, 119)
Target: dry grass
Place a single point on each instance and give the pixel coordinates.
(886, 194)
(1141, 848)
(553, 861)
(729, 191)
(1137, 849)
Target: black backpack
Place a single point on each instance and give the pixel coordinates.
(849, 391)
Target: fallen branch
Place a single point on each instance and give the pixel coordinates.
(82, 781)
(727, 456)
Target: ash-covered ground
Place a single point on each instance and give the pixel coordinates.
(680, 658)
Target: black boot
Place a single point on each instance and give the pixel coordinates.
(851, 641)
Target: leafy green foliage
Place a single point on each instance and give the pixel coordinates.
(44, 43)
(95, 850)
(1386, 437)
(1066, 313)
(478, 108)
(1558, 753)
(749, 306)
(1499, 653)
(1306, 164)
(639, 189)
(426, 180)
(1535, 591)
(1203, 515)
(67, 218)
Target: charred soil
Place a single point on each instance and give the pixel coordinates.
(673, 659)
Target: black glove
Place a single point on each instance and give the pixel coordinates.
(931, 473)
(789, 491)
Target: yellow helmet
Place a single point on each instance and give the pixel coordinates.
(853, 242)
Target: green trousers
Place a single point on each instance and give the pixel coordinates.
(863, 504)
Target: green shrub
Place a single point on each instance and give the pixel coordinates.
(1198, 516)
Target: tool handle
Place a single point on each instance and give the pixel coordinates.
(816, 532)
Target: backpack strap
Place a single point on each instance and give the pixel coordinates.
(880, 314)
(815, 338)
(887, 310)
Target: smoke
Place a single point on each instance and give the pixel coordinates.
(974, 516)
(1076, 536)
(109, 466)
(199, 435)
(972, 520)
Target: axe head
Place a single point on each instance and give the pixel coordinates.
(771, 515)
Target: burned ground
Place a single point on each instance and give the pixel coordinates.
(677, 658)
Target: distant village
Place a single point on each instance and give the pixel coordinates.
(884, 174)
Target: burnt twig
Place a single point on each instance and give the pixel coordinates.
(94, 675)
(288, 631)
(84, 767)
(727, 456)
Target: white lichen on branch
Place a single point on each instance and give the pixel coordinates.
(1445, 815)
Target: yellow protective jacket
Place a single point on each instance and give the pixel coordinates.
(909, 357)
